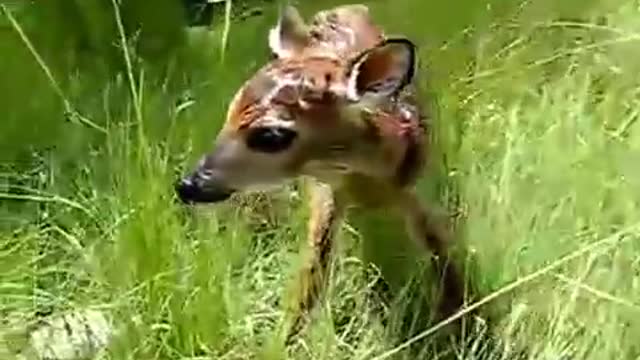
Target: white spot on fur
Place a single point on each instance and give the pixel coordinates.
(272, 121)
(338, 88)
(281, 82)
(351, 38)
(406, 113)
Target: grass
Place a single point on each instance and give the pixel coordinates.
(537, 144)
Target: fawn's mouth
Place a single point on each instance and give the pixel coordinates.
(191, 192)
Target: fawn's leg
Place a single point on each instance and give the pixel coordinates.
(429, 232)
(324, 219)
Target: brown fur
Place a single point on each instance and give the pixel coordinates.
(362, 152)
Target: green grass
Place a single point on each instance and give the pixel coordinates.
(537, 146)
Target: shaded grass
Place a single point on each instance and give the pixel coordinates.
(537, 145)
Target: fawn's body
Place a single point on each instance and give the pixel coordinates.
(335, 105)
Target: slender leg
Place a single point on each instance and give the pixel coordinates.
(424, 228)
(325, 216)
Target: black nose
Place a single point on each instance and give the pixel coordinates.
(187, 190)
(190, 191)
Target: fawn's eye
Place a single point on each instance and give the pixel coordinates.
(270, 139)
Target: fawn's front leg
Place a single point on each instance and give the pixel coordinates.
(430, 232)
(326, 213)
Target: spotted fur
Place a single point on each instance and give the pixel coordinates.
(344, 95)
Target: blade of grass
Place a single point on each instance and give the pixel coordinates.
(227, 29)
(610, 241)
(597, 293)
(70, 110)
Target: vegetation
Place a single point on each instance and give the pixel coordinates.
(537, 145)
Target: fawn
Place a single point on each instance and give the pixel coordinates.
(336, 105)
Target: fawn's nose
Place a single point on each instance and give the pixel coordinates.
(191, 190)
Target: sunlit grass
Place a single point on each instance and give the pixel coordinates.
(537, 148)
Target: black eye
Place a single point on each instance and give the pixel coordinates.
(270, 139)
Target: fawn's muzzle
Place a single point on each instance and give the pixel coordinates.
(194, 189)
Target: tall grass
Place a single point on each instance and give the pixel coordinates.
(537, 146)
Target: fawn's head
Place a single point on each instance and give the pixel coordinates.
(308, 111)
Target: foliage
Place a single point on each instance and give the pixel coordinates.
(535, 106)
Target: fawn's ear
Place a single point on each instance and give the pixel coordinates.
(383, 70)
(290, 34)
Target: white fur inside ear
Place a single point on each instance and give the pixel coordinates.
(380, 81)
(275, 41)
(280, 41)
(367, 98)
(352, 83)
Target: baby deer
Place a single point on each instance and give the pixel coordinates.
(335, 105)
